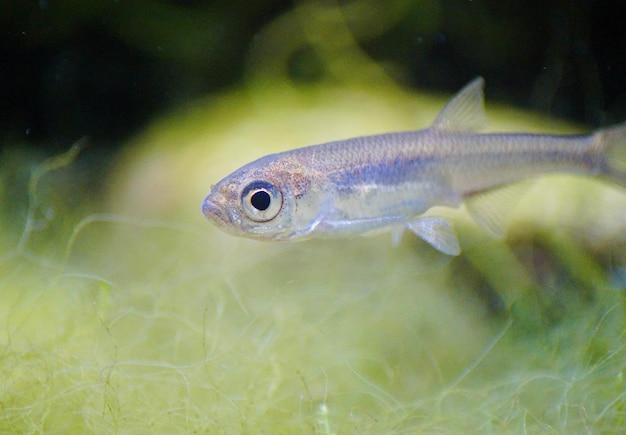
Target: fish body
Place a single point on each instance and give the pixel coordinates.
(388, 181)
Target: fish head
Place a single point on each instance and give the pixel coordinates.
(258, 200)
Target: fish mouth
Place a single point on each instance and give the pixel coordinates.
(214, 212)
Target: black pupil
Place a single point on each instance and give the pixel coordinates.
(260, 200)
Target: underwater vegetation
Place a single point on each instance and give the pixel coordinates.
(122, 310)
(129, 312)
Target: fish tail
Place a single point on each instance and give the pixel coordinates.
(613, 141)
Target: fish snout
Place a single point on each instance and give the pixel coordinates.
(214, 211)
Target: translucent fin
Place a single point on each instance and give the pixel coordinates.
(491, 209)
(396, 235)
(438, 232)
(614, 143)
(465, 111)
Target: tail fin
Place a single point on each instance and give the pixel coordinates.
(614, 144)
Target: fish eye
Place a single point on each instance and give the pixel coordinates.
(261, 201)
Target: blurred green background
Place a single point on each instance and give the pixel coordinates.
(104, 68)
(123, 311)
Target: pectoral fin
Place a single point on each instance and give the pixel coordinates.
(438, 232)
(396, 235)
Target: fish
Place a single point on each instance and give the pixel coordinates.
(390, 181)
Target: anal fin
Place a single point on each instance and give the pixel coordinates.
(492, 208)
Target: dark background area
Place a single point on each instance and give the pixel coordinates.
(104, 68)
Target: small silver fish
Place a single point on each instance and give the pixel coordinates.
(388, 181)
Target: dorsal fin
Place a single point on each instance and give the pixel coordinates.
(465, 111)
